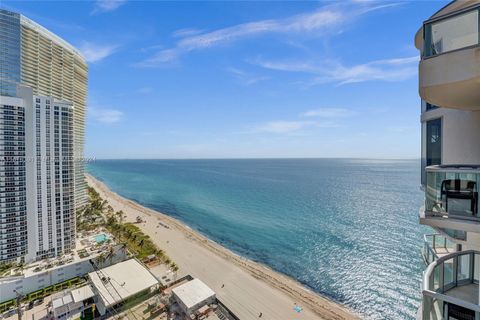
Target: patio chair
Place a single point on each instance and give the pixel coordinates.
(460, 189)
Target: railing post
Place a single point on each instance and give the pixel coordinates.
(455, 270)
(472, 267)
(440, 278)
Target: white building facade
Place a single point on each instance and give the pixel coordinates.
(13, 208)
(50, 183)
(36, 189)
(449, 78)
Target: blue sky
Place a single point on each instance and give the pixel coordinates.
(226, 79)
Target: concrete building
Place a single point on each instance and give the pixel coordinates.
(44, 127)
(449, 78)
(193, 295)
(39, 59)
(71, 304)
(119, 283)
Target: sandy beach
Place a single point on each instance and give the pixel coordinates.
(246, 287)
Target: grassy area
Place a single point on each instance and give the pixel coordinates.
(99, 213)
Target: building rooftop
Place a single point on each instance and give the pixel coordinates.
(121, 281)
(87, 247)
(82, 293)
(68, 300)
(193, 292)
(50, 35)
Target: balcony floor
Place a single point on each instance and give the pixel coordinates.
(442, 251)
(467, 292)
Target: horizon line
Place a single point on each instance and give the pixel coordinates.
(261, 158)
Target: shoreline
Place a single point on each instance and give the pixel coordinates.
(245, 286)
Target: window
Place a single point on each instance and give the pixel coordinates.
(452, 33)
(429, 106)
(434, 142)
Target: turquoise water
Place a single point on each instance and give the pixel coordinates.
(100, 238)
(347, 229)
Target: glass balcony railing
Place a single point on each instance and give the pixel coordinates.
(436, 246)
(452, 191)
(450, 286)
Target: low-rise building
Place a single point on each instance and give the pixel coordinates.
(71, 304)
(193, 296)
(118, 284)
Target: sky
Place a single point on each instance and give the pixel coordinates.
(248, 79)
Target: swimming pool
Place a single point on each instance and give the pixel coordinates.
(100, 238)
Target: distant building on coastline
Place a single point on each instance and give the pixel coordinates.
(449, 79)
(43, 88)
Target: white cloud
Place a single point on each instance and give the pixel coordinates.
(283, 126)
(333, 71)
(329, 113)
(105, 115)
(96, 52)
(187, 32)
(289, 127)
(322, 21)
(246, 77)
(107, 5)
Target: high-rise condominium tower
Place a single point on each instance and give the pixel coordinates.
(37, 58)
(449, 82)
(50, 186)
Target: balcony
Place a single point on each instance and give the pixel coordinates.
(451, 198)
(449, 75)
(450, 287)
(436, 246)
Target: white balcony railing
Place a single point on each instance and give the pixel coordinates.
(450, 283)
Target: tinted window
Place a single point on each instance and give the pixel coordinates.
(434, 142)
(452, 33)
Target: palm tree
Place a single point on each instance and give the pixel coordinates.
(175, 269)
(119, 215)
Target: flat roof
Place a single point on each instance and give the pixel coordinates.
(193, 292)
(82, 293)
(121, 281)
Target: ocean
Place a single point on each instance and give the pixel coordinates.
(346, 228)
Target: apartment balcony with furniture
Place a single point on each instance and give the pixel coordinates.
(451, 197)
(450, 46)
(450, 287)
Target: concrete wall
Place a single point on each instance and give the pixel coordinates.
(473, 241)
(460, 135)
